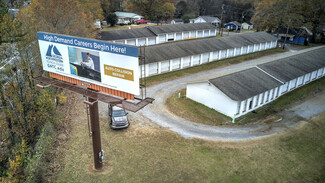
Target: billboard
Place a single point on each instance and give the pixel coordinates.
(102, 63)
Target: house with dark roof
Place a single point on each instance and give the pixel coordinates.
(233, 26)
(299, 36)
(151, 35)
(173, 56)
(206, 19)
(177, 21)
(241, 92)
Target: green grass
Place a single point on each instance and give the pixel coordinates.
(152, 154)
(285, 101)
(194, 111)
(156, 79)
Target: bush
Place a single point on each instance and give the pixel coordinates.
(129, 23)
(121, 24)
(111, 19)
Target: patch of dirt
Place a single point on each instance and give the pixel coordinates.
(107, 169)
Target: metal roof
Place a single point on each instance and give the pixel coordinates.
(126, 14)
(209, 19)
(245, 84)
(173, 50)
(126, 34)
(153, 31)
(292, 67)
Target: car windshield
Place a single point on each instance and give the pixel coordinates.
(118, 113)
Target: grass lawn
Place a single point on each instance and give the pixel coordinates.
(146, 153)
(194, 111)
(156, 79)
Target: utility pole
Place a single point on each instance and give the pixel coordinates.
(95, 133)
(220, 26)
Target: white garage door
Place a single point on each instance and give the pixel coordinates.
(250, 49)
(186, 62)
(199, 33)
(284, 87)
(223, 54)
(205, 57)
(206, 33)
(170, 36)
(196, 59)
(292, 84)
(313, 75)
(263, 46)
(244, 49)
(300, 80)
(120, 42)
(153, 68)
(193, 34)
(141, 42)
(176, 64)
(131, 42)
(165, 66)
(320, 72)
(186, 35)
(212, 32)
(178, 36)
(257, 47)
(162, 38)
(216, 55)
(307, 78)
(238, 51)
(231, 52)
(151, 41)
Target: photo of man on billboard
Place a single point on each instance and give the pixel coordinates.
(84, 63)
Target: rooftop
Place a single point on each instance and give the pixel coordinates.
(245, 84)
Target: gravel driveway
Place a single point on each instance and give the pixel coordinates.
(158, 113)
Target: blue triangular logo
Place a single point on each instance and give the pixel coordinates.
(55, 51)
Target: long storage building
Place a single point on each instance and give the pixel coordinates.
(239, 93)
(152, 35)
(182, 54)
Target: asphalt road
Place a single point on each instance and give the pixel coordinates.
(158, 113)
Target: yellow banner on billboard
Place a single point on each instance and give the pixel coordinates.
(118, 72)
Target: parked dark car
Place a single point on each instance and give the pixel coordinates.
(118, 118)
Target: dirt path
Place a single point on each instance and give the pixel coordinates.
(160, 115)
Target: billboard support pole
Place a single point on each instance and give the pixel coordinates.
(94, 120)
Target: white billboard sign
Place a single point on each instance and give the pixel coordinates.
(102, 63)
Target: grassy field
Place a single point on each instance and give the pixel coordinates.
(146, 153)
(156, 79)
(194, 111)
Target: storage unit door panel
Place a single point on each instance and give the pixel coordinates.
(199, 33)
(284, 87)
(205, 57)
(176, 64)
(165, 66)
(162, 38)
(153, 68)
(151, 41)
(230, 52)
(196, 59)
(186, 62)
(262, 46)
(307, 78)
(193, 34)
(141, 42)
(257, 47)
(250, 49)
(313, 75)
(178, 36)
(292, 84)
(131, 42)
(206, 33)
(186, 35)
(300, 80)
(245, 50)
(238, 51)
(223, 54)
(215, 55)
(120, 42)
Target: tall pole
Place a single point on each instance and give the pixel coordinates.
(94, 120)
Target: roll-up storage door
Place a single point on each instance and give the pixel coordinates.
(176, 64)
(196, 59)
(153, 68)
(165, 66)
(186, 62)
